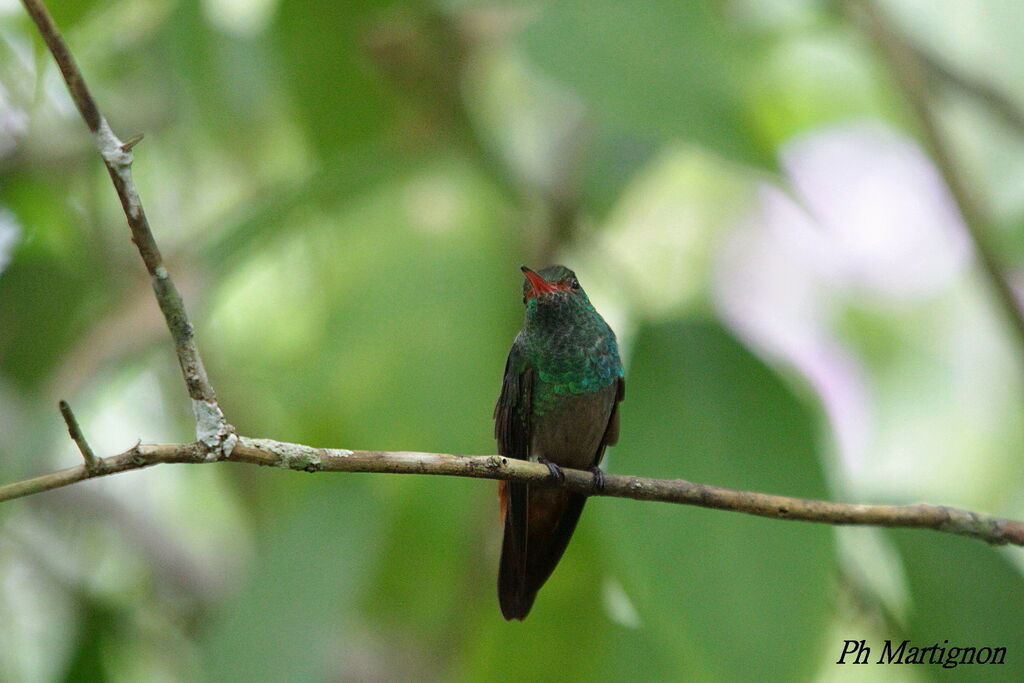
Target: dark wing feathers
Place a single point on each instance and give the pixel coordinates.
(512, 430)
(611, 434)
(512, 412)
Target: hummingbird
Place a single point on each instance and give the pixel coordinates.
(559, 406)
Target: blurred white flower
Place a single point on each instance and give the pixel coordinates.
(883, 220)
(871, 230)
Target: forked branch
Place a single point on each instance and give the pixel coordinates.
(216, 441)
(211, 426)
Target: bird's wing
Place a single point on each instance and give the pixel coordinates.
(512, 430)
(611, 432)
(512, 412)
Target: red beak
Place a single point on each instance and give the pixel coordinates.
(537, 283)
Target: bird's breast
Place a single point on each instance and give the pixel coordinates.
(572, 427)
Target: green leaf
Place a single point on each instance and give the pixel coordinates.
(55, 287)
(815, 79)
(421, 577)
(332, 80)
(70, 12)
(963, 592)
(726, 596)
(566, 635)
(310, 566)
(613, 161)
(98, 623)
(662, 69)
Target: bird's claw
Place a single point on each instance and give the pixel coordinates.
(598, 483)
(554, 471)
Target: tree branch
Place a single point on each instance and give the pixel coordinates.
(995, 99)
(211, 426)
(91, 463)
(308, 459)
(216, 441)
(909, 71)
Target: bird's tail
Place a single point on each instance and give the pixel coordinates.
(538, 526)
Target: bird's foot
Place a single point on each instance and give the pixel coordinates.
(554, 471)
(598, 483)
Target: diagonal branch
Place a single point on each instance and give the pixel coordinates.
(909, 71)
(211, 427)
(997, 101)
(308, 459)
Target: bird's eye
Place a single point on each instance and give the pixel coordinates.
(574, 283)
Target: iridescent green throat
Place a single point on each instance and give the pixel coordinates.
(571, 347)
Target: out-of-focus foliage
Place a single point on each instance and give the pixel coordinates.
(640, 69)
(754, 584)
(344, 191)
(987, 614)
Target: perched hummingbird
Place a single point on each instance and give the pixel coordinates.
(559, 406)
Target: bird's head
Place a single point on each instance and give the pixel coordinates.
(555, 285)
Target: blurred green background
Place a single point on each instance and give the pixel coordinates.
(344, 192)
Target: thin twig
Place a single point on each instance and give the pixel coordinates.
(308, 459)
(909, 72)
(91, 462)
(211, 426)
(995, 99)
